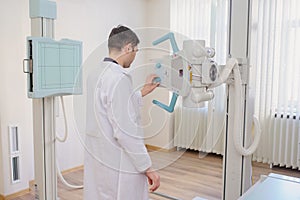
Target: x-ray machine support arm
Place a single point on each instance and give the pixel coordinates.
(236, 160)
(237, 168)
(43, 13)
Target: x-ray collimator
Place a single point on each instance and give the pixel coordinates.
(53, 67)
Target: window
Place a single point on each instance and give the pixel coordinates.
(275, 46)
(14, 153)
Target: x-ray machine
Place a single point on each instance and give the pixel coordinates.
(192, 75)
(195, 68)
(53, 69)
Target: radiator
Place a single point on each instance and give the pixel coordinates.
(190, 131)
(281, 147)
(285, 141)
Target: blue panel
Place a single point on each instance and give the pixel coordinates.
(56, 67)
(67, 56)
(50, 55)
(50, 78)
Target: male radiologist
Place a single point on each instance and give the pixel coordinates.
(117, 165)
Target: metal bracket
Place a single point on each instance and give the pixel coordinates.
(28, 66)
(244, 70)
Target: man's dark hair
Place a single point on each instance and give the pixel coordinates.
(121, 36)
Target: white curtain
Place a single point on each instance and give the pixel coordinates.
(205, 20)
(275, 42)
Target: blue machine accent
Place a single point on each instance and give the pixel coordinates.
(158, 68)
(169, 36)
(55, 67)
(157, 80)
(158, 65)
(42, 8)
(169, 108)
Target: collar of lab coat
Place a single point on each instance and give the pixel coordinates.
(117, 67)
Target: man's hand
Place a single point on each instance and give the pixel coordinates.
(153, 179)
(149, 85)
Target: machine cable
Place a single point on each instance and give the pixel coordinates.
(63, 140)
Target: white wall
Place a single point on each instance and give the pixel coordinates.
(1, 158)
(15, 107)
(158, 13)
(87, 20)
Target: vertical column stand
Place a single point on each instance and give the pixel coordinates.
(237, 168)
(44, 128)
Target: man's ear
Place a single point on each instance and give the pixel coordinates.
(127, 48)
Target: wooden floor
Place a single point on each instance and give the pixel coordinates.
(184, 175)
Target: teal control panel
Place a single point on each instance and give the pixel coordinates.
(53, 67)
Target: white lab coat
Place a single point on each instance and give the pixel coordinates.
(115, 156)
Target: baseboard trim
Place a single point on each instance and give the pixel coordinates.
(31, 185)
(14, 195)
(80, 167)
(156, 148)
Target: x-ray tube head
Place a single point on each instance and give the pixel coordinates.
(210, 52)
(194, 50)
